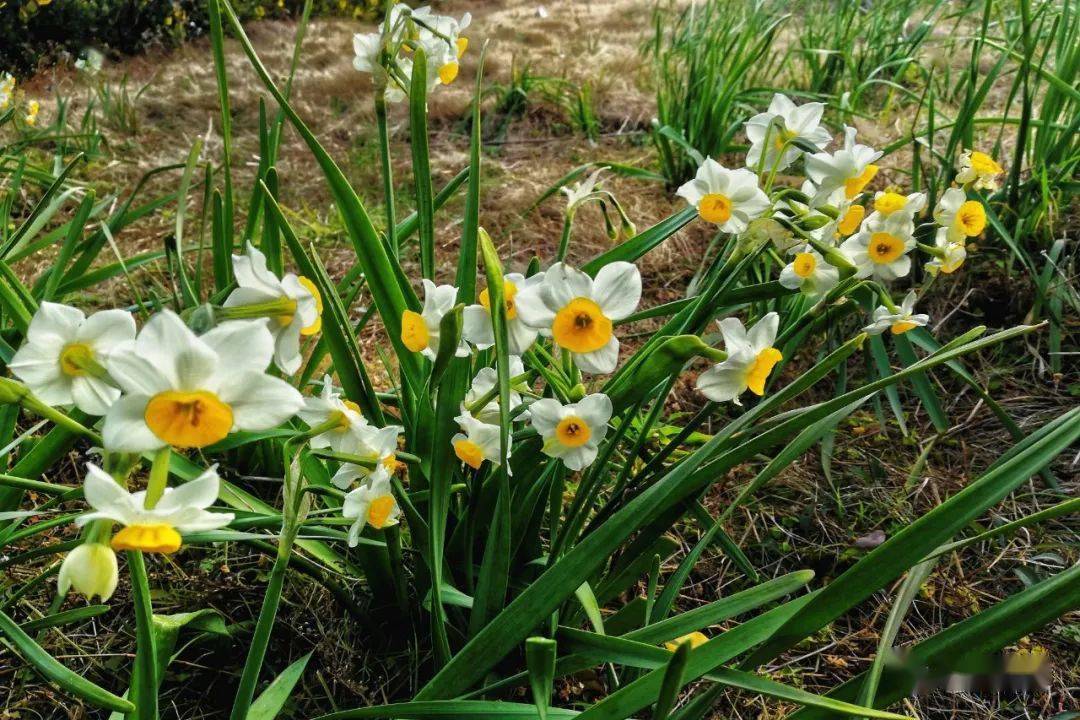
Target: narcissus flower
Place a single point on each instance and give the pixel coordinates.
(420, 330)
(895, 208)
(7, 90)
(301, 305)
(784, 122)
(572, 432)
(897, 321)
(695, 639)
(950, 254)
(91, 569)
(32, 109)
(751, 357)
(373, 504)
(63, 358)
(476, 319)
(378, 446)
(191, 391)
(478, 441)
(880, 253)
(580, 312)
(485, 382)
(580, 191)
(158, 528)
(809, 273)
(442, 40)
(330, 407)
(850, 168)
(727, 198)
(979, 169)
(961, 218)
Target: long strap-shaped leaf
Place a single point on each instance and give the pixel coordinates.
(48, 666)
(391, 297)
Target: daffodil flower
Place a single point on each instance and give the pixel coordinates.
(343, 416)
(378, 446)
(949, 255)
(443, 42)
(478, 441)
(961, 218)
(880, 252)
(572, 432)
(809, 273)
(420, 330)
(63, 359)
(579, 192)
(727, 198)
(580, 312)
(851, 168)
(7, 90)
(155, 529)
(191, 391)
(32, 109)
(979, 169)
(486, 380)
(897, 320)
(751, 357)
(782, 123)
(91, 569)
(301, 305)
(892, 207)
(373, 504)
(476, 319)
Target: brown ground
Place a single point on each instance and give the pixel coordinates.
(799, 521)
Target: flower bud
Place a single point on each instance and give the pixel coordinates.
(91, 570)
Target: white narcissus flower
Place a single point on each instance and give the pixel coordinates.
(420, 330)
(961, 218)
(476, 324)
(156, 529)
(751, 357)
(789, 121)
(301, 299)
(579, 312)
(485, 381)
(91, 569)
(373, 504)
(897, 321)
(445, 46)
(367, 47)
(329, 407)
(979, 169)
(851, 168)
(376, 445)
(478, 441)
(63, 358)
(880, 253)
(727, 198)
(809, 273)
(576, 194)
(191, 391)
(7, 90)
(953, 254)
(572, 432)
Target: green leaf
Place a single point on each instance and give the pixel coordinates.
(273, 698)
(540, 660)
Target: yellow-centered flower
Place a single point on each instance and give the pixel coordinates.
(750, 360)
(572, 432)
(730, 199)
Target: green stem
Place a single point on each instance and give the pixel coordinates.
(387, 169)
(144, 680)
(564, 241)
(159, 477)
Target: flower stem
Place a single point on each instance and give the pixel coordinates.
(144, 680)
(159, 477)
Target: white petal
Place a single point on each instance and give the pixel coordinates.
(93, 395)
(260, 402)
(520, 337)
(170, 346)
(103, 493)
(545, 415)
(563, 283)
(531, 307)
(202, 521)
(135, 373)
(599, 362)
(202, 492)
(617, 289)
(763, 333)
(595, 410)
(125, 430)
(54, 323)
(287, 355)
(241, 345)
(721, 384)
(734, 334)
(107, 329)
(37, 363)
(580, 458)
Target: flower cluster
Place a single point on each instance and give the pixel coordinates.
(166, 386)
(8, 99)
(388, 55)
(833, 227)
